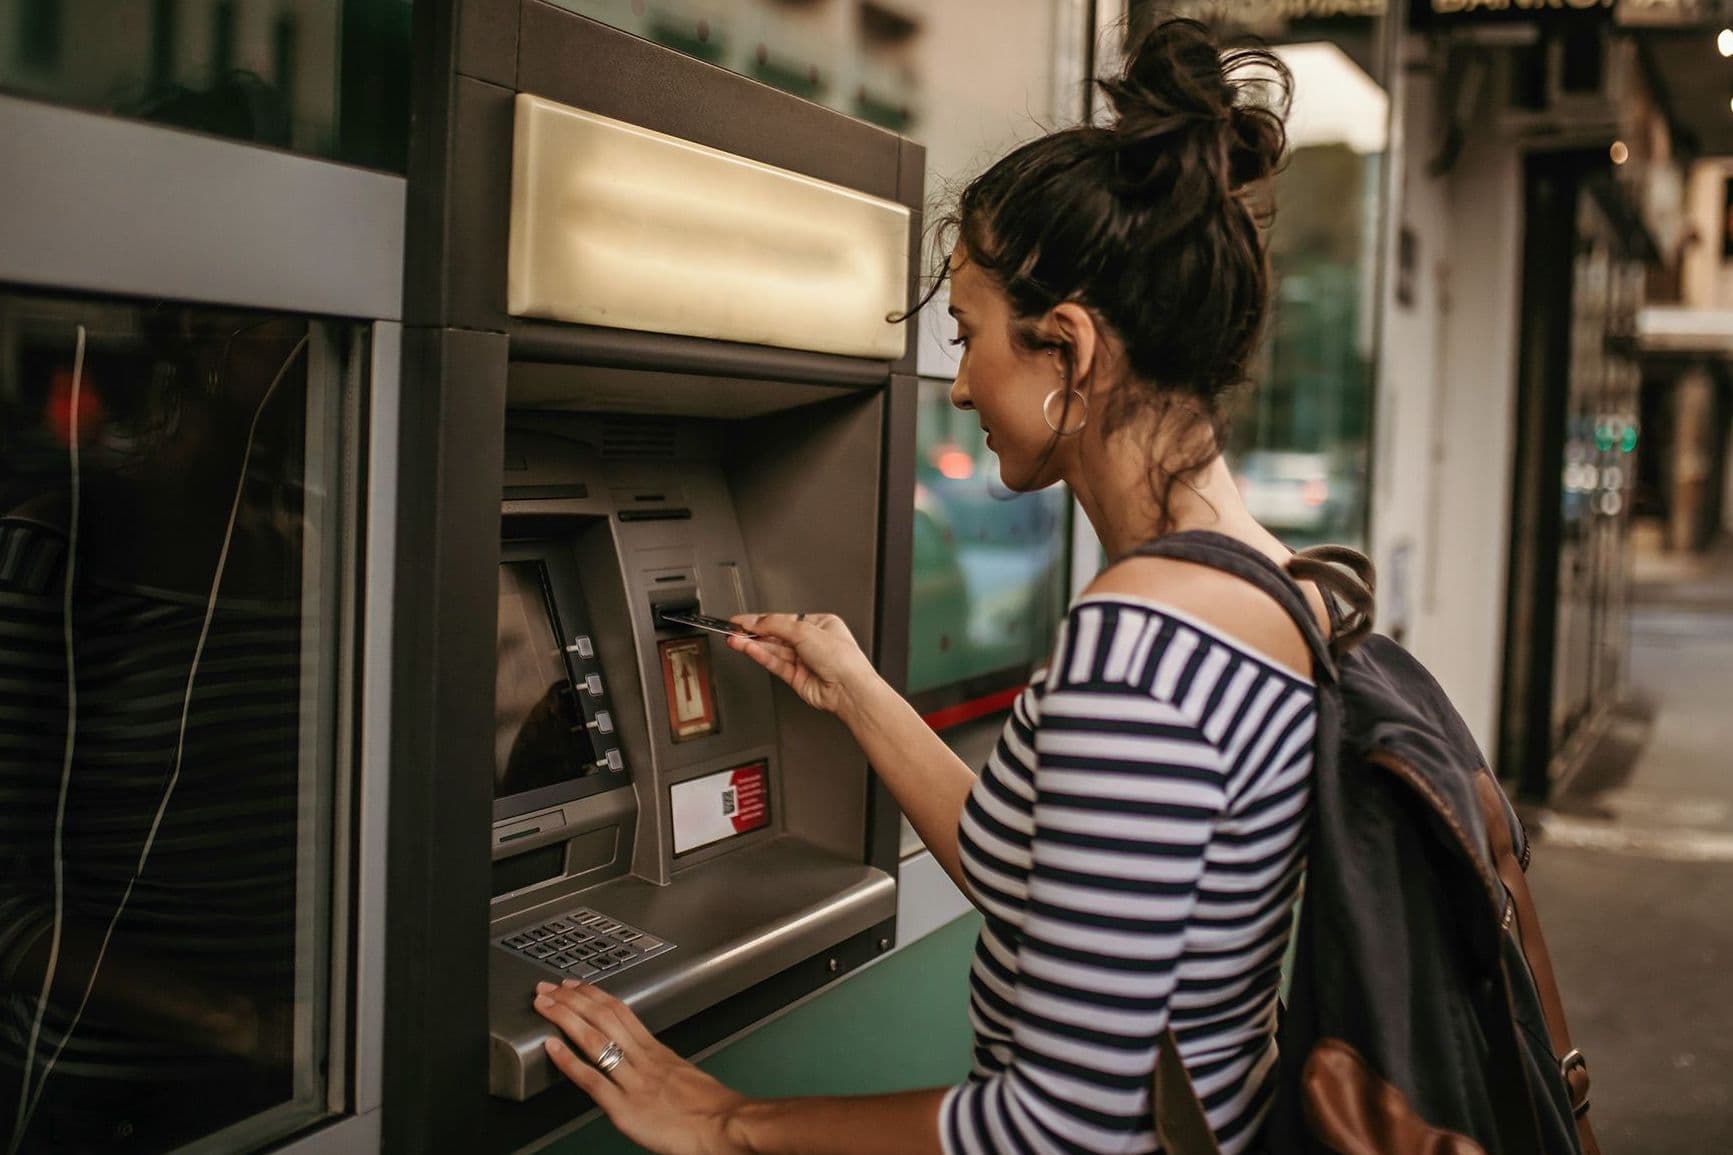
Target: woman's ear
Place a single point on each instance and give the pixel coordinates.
(1072, 328)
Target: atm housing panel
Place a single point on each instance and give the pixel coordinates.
(629, 535)
(796, 469)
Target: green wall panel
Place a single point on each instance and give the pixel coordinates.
(898, 1024)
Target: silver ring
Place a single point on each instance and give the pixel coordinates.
(612, 1056)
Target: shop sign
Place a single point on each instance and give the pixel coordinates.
(1437, 13)
(1441, 13)
(1258, 13)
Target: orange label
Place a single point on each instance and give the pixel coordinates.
(690, 694)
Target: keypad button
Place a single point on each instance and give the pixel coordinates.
(647, 944)
(581, 970)
(607, 927)
(627, 934)
(584, 647)
(604, 962)
(615, 762)
(540, 932)
(559, 924)
(604, 722)
(519, 941)
(560, 942)
(593, 684)
(591, 918)
(623, 954)
(563, 959)
(540, 950)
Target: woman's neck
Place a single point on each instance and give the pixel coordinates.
(1119, 496)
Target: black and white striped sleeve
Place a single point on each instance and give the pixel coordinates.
(1128, 789)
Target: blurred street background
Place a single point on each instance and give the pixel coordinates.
(1633, 872)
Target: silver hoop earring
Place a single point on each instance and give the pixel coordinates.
(1047, 414)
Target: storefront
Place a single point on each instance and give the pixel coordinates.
(1578, 432)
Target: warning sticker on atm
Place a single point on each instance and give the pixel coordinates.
(690, 693)
(720, 806)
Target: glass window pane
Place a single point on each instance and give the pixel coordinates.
(172, 505)
(327, 77)
(1301, 435)
(989, 565)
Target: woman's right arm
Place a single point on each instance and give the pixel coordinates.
(821, 662)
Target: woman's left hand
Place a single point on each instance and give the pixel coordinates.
(654, 1097)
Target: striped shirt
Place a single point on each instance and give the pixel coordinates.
(1135, 842)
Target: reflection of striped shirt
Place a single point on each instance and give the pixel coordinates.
(215, 904)
(1135, 842)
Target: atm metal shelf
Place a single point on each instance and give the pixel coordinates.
(555, 342)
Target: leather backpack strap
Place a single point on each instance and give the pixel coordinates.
(1347, 577)
(1181, 1125)
(1573, 1068)
(1218, 551)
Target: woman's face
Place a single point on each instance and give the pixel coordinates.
(1005, 383)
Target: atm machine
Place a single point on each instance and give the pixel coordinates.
(673, 289)
(667, 822)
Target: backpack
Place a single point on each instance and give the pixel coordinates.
(1422, 1015)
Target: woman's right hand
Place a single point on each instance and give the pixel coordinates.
(814, 653)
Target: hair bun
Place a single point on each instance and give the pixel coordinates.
(1194, 125)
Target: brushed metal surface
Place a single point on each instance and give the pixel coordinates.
(735, 922)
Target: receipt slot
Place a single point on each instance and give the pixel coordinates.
(666, 357)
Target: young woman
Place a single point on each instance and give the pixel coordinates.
(1136, 839)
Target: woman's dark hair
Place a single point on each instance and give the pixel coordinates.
(1151, 222)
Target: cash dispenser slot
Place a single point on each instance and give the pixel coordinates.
(669, 822)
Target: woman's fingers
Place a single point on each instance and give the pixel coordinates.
(590, 1081)
(776, 659)
(608, 1012)
(578, 1019)
(783, 627)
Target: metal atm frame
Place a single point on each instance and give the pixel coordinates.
(472, 58)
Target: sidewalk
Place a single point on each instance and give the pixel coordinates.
(1633, 875)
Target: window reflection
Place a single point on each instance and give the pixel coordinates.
(1300, 438)
(167, 600)
(1300, 435)
(327, 77)
(989, 565)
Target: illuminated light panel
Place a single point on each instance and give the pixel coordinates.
(1724, 42)
(618, 226)
(1620, 152)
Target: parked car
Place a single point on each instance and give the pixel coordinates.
(1307, 494)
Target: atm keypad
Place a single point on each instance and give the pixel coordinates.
(583, 944)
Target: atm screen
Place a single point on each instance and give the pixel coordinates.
(540, 737)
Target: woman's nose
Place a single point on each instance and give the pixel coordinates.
(960, 394)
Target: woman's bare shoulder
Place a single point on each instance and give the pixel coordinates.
(1236, 609)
